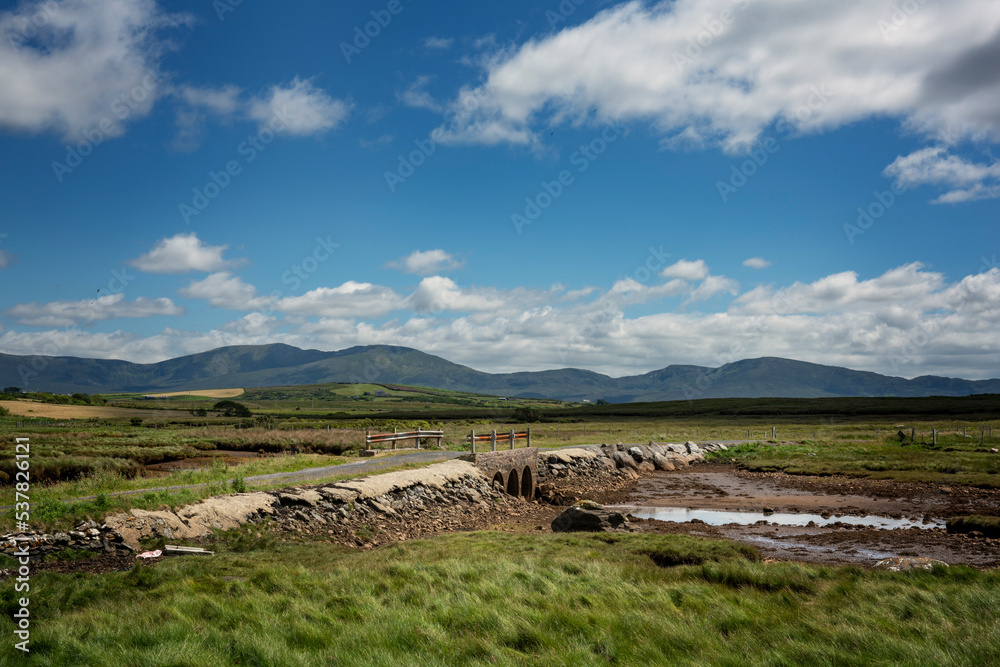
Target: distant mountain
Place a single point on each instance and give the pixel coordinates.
(277, 365)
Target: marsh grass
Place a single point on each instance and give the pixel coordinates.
(954, 460)
(507, 599)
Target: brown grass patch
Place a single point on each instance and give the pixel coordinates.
(207, 393)
(57, 411)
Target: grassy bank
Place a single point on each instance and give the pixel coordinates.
(954, 460)
(508, 599)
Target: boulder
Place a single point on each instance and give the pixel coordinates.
(646, 466)
(637, 454)
(692, 447)
(623, 460)
(585, 519)
(662, 462)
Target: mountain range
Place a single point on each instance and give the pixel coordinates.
(284, 365)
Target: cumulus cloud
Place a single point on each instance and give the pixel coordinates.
(756, 263)
(6, 259)
(686, 270)
(437, 293)
(907, 321)
(936, 166)
(426, 262)
(718, 72)
(71, 67)
(224, 290)
(299, 109)
(352, 299)
(111, 306)
(183, 253)
(713, 285)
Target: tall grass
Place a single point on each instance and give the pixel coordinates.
(506, 599)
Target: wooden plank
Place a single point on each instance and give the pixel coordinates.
(170, 549)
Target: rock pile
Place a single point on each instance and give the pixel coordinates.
(89, 536)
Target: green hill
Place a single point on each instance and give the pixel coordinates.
(284, 365)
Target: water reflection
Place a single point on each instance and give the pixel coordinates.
(723, 517)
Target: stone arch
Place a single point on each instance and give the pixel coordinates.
(497, 479)
(513, 487)
(527, 484)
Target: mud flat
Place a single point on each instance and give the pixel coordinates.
(853, 520)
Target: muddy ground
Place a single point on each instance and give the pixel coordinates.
(724, 487)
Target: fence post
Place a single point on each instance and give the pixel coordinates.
(368, 445)
(529, 436)
(493, 440)
(512, 438)
(472, 438)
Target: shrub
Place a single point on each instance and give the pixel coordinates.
(232, 409)
(239, 484)
(527, 415)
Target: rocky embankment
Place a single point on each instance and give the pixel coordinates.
(453, 495)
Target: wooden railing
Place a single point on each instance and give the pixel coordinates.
(396, 436)
(492, 437)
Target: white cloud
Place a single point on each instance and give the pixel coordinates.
(111, 306)
(6, 259)
(844, 293)
(437, 294)
(416, 96)
(756, 263)
(935, 166)
(908, 321)
(300, 109)
(196, 105)
(713, 285)
(686, 270)
(438, 43)
(87, 62)
(183, 253)
(426, 262)
(812, 65)
(350, 300)
(223, 101)
(375, 144)
(224, 290)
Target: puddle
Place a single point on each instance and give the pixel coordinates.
(722, 518)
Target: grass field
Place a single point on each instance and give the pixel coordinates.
(498, 598)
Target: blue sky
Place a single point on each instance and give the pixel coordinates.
(611, 186)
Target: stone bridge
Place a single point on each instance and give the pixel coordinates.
(515, 469)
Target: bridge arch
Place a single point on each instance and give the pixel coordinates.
(527, 484)
(513, 487)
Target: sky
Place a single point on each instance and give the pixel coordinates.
(615, 186)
